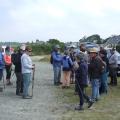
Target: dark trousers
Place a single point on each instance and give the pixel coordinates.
(19, 83)
(1, 74)
(8, 71)
(113, 75)
(81, 93)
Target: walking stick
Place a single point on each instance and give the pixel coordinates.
(33, 77)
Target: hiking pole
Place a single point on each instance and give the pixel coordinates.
(33, 77)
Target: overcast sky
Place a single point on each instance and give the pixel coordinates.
(66, 20)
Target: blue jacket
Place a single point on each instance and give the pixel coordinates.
(67, 63)
(81, 73)
(57, 59)
(2, 63)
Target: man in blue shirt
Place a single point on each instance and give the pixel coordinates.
(57, 62)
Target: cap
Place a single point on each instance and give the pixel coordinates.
(72, 46)
(22, 47)
(57, 46)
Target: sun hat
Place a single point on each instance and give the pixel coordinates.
(93, 50)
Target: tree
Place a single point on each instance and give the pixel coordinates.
(53, 41)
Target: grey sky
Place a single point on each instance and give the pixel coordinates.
(66, 20)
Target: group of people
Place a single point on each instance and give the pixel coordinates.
(88, 67)
(23, 69)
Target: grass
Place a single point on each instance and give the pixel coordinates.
(45, 59)
(108, 108)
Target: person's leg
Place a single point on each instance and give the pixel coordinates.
(8, 74)
(115, 77)
(106, 83)
(94, 89)
(59, 75)
(55, 75)
(64, 79)
(111, 75)
(68, 78)
(81, 98)
(18, 83)
(1, 74)
(76, 87)
(21, 87)
(26, 82)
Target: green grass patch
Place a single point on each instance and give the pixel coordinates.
(108, 108)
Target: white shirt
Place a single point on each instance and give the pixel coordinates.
(26, 63)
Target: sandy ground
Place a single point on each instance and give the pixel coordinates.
(43, 106)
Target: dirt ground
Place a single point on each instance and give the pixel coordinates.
(43, 106)
(53, 103)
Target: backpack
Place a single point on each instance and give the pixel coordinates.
(7, 59)
(16, 58)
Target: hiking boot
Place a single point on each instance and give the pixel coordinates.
(90, 103)
(79, 108)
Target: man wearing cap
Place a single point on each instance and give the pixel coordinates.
(57, 62)
(95, 69)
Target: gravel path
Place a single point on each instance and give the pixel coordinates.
(44, 104)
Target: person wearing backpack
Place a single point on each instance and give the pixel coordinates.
(16, 60)
(8, 64)
(66, 66)
(57, 63)
(2, 66)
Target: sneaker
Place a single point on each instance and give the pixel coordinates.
(79, 108)
(90, 103)
(27, 97)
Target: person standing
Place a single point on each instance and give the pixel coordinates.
(67, 66)
(8, 64)
(27, 67)
(104, 74)
(96, 67)
(2, 66)
(113, 67)
(81, 75)
(57, 63)
(16, 60)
